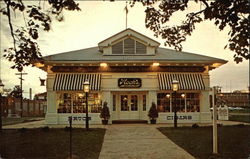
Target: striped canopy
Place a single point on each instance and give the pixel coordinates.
(74, 82)
(187, 81)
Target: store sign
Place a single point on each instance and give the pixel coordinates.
(180, 117)
(129, 82)
(223, 113)
(78, 118)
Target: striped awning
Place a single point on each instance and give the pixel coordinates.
(187, 81)
(74, 82)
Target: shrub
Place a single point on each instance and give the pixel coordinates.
(153, 112)
(105, 115)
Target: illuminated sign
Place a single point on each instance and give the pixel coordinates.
(129, 82)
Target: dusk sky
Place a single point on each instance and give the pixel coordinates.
(100, 20)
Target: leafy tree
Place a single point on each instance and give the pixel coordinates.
(105, 114)
(229, 13)
(25, 49)
(153, 112)
(16, 92)
(224, 13)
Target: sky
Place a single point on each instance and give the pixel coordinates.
(99, 20)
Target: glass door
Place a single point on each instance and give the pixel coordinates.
(129, 106)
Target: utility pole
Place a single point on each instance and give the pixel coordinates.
(215, 131)
(21, 85)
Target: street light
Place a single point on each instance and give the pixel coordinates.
(175, 85)
(1, 92)
(86, 89)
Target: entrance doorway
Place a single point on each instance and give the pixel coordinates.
(129, 106)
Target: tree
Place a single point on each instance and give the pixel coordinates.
(25, 50)
(230, 13)
(224, 13)
(153, 112)
(16, 92)
(105, 115)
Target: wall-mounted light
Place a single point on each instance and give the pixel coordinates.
(156, 64)
(86, 86)
(175, 85)
(103, 64)
(168, 95)
(183, 95)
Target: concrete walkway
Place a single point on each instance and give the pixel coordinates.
(139, 142)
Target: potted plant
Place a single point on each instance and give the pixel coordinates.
(153, 113)
(105, 115)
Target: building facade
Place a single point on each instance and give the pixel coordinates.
(129, 71)
(235, 99)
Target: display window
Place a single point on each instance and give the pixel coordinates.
(76, 103)
(184, 102)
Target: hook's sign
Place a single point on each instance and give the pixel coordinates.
(129, 82)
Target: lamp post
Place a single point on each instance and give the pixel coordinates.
(175, 84)
(1, 92)
(86, 88)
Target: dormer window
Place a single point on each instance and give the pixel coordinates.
(128, 47)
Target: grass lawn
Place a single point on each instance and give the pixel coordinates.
(11, 121)
(233, 141)
(51, 144)
(239, 117)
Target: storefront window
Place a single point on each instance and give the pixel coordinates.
(76, 103)
(64, 103)
(180, 102)
(184, 102)
(163, 102)
(193, 102)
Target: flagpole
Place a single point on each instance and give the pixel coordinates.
(126, 10)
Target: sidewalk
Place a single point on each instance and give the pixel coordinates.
(32, 124)
(41, 123)
(139, 142)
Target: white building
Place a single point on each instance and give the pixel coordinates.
(129, 71)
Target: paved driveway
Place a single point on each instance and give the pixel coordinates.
(139, 142)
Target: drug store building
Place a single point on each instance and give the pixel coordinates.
(129, 71)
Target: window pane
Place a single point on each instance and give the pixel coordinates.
(163, 102)
(193, 102)
(129, 46)
(79, 103)
(144, 103)
(140, 48)
(134, 103)
(117, 48)
(114, 102)
(124, 103)
(94, 103)
(64, 105)
(179, 100)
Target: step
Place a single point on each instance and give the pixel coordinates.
(129, 121)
